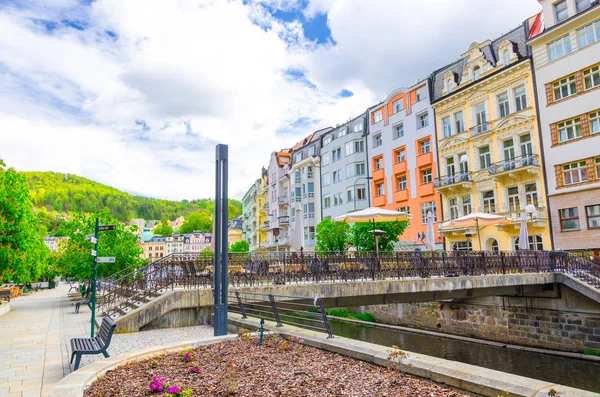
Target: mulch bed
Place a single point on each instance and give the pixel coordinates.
(240, 368)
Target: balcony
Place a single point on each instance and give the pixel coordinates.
(284, 220)
(282, 199)
(424, 159)
(308, 195)
(379, 174)
(480, 129)
(425, 189)
(265, 225)
(540, 218)
(400, 168)
(462, 179)
(296, 199)
(309, 215)
(401, 195)
(511, 167)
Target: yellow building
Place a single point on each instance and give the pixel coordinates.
(488, 145)
(155, 248)
(262, 209)
(234, 231)
(254, 213)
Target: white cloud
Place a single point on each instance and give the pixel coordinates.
(139, 98)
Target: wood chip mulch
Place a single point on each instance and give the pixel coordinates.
(240, 368)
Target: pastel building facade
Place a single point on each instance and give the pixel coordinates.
(53, 243)
(174, 244)
(276, 223)
(488, 145)
(402, 158)
(249, 214)
(344, 169)
(566, 58)
(155, 248)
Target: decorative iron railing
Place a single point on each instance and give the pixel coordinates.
(514, 163)
(480, 129)
(452, 179)
(284, 220)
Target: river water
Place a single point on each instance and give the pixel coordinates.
(566, 371)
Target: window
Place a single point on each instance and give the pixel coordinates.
(463, 163)
(514, 203)
(446, 126)
(453, 208)
(359, 169)
(503, 104)
(564, 88)
(298, 157)
(588, 34)
(594, 122)
(425, 208)
(350, 195)
(466, 204)
(480, 114)
(377, 140)
(593, 216)
(398, 105)
(401, 183)
(568, 130)
(531, 194)
(425, 146)
(421, 93)
(327, 202)
(574, 173)
(358, 127)
(359, 146)
(309, 172)
(327, 140)
(337, 176)
(309, 234)
(485, 157)
(559, 48)
(598, 167)
(539, 246)
(297, 177)
(591, 77)
(422, 120)
(338, 199)
(337, 154)
(450, 85)
(476, 73)
(380, 189)
(560, 9)
(509, 149)
(399, 131)
(506, 57)
(462, 246)
(342, 132)
(378, 163)
(427, 176)
(349, 148)
(459, 122)
(349, 171)
(378, 116)
(326, 180)
(406, 209)
(361, 193)
(326, 158)
(450, 170)
(311, 189)
(520, 98)
(312, 150)
(400, 155)
(569, 218)
(489, 202)
(582, 5)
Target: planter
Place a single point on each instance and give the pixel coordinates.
(52, 284)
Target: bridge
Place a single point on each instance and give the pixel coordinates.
(182, 283)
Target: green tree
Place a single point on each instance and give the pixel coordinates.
(240, 246)
(197, 220)
(332, 236)
(22, 250)
(163, 229)
(75, 259)
(364, 241)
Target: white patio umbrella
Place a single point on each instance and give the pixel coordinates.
(477, 219)
(430, 242)
(297, 237)
(523, 234)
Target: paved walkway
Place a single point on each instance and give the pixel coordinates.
(34, 341)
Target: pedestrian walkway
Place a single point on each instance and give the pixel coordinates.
(35, 335)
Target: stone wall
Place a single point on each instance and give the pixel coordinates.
(571, 323)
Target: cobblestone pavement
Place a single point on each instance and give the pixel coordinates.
(35, 335)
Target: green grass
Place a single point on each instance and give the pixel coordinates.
(591, 352)
(345, 313)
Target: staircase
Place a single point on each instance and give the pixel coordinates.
(584, 266)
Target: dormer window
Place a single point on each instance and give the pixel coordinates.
(582, 5)
(342, 132)
(327, 140)
(476, 73)
(506, 57)
(358, 127)
(561, 11)
(377, 116)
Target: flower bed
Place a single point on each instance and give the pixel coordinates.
(278, 368)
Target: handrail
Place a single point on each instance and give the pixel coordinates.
(513, 163)
(452, 179)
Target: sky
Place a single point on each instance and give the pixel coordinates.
(135, 94)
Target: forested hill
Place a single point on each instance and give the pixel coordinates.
(72, 193)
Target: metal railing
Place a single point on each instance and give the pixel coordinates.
(282, 199)
(514, 163)
(452, 179)
(480, 129)
(284, 220)
(301, 311)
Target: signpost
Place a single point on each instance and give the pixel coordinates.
(220, 266)
(109, 259)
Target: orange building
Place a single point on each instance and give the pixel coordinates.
(403, 166)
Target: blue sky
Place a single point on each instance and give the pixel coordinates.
(135, 94)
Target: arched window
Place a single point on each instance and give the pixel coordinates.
(506, 57)
(539, 244)
(492, 245)
(462, 246)
(476, 73)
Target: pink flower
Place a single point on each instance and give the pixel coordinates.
(173, 389)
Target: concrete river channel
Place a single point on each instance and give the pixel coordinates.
(578, 373)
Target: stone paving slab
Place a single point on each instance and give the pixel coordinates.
(35, 341)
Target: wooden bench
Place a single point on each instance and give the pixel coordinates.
(5, 294)
(95, 345)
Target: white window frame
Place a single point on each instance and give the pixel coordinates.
(380, 188)
(559, 48)
(591, 77)
(377, 141)
(426, 207)
(422, 120)
(503, 104)
(378, 163)
(427, 176)
(520, 94)
(489, 201)
(594, 119)
(588, 34)
(425, 146)
(485, 158)
(402, 183)
(514, 198)
(447, 126)
(575, 173)
(564, 88)
(400, 156)
(459, 123)
(561, 11)
(398, 130)
(398, 105)
(377, 116)
(569, 130)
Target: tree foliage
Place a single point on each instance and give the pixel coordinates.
(240, 246)
(364, 241)
(23, 253)
(163, 229)
(75, 253)
(198, 220)
(62, 193)
(332, 236)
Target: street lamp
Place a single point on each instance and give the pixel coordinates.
(530, 209)
(358, 179)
